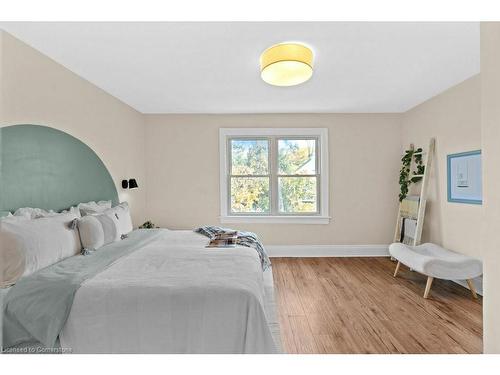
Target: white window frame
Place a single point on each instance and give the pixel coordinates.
(321, 134)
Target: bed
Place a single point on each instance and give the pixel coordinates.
(157, 291)
(173, 296)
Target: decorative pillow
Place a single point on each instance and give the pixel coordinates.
(91, 232)
(121, 215)
(101, 229)
(33, 213)
(97, 231)
(29, 245)
(110, 227)
(91, 208)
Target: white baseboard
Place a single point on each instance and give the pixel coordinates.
(302, 251)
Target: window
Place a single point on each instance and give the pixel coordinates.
(274, 175)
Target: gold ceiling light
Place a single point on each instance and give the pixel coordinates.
(286, 64)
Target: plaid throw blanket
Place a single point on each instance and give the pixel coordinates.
(247, 239)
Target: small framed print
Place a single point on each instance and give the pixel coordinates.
(465, 183)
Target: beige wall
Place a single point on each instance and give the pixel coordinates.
(490, 80)
(361, 197)
(37, 90)
(364, 162)
(454, 119)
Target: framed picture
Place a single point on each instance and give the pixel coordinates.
(465, 177)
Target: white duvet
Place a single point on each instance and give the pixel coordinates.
(173, 296)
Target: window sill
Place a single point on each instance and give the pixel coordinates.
(276, 219)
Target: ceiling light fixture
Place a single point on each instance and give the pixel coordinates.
(286, 64)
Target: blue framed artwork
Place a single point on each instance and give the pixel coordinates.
(465, 183)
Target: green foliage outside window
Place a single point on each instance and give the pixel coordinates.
(250, 194)
(297, 194)
(250, 181)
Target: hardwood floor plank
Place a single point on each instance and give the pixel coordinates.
(288, 295)
(287, 338)
(303, 337)
(355, 305)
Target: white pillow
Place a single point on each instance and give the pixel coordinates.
(73, 210)
(111, 225)
(33, 213)
(97, 231)
(121, 215)
(29, 245)
(92, 207)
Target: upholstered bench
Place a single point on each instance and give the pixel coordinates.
(437, 262)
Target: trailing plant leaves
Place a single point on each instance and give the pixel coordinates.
(405, 179)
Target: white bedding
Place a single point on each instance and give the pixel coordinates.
(173, 296)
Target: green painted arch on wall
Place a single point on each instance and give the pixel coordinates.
(47, 168)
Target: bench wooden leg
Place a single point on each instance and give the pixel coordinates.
(470, 283)
(428, 286)
(397, 269)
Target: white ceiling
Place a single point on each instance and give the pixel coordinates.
(214, 67)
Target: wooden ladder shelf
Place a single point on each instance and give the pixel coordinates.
(422, 197)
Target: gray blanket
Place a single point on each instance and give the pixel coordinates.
(37, 307)
(247, 239)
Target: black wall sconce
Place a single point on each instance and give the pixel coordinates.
(130, 184)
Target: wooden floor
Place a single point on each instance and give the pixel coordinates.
(354, 305)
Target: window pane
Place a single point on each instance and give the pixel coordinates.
(297, 156)
(250, 194)
(249, 156)
(297, 194)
